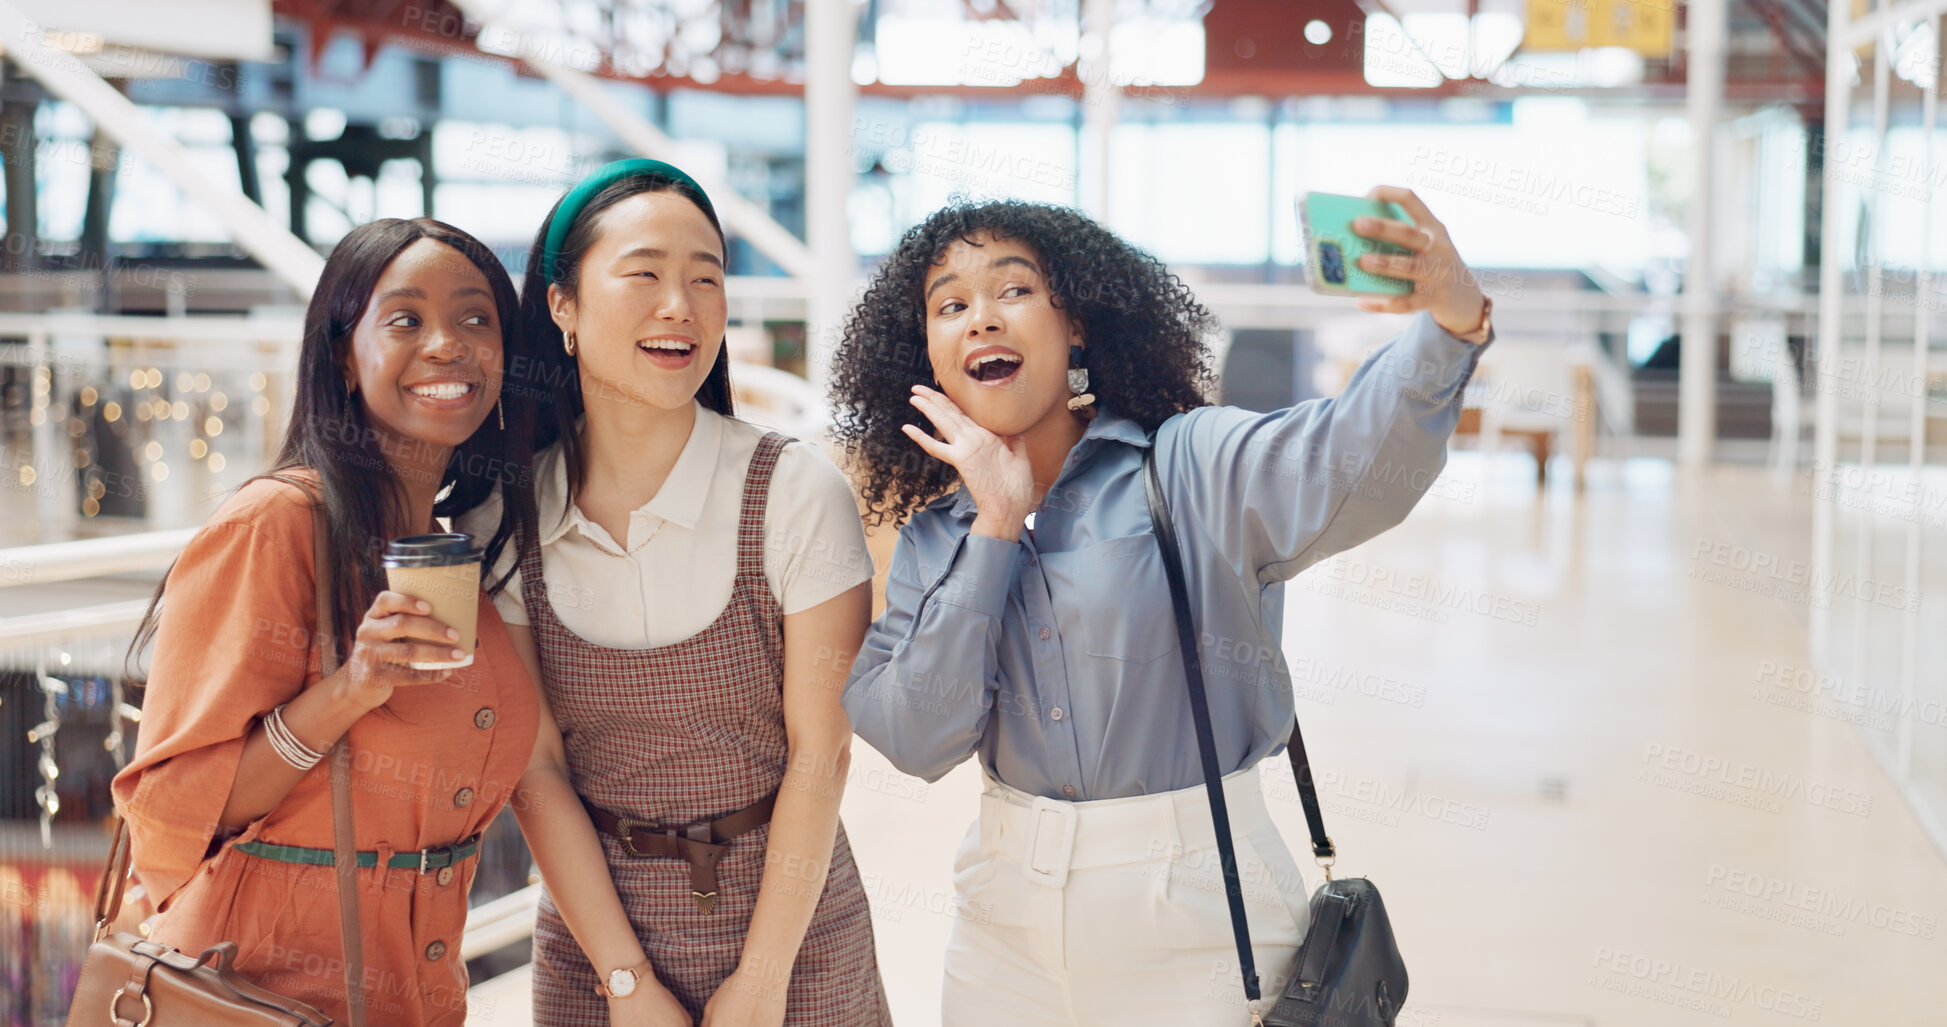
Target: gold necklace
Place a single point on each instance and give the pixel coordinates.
(652, 535)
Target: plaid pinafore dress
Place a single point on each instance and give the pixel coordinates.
(682, 733)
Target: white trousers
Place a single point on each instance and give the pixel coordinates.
(1076, 914)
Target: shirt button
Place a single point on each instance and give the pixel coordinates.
(463, 798)
(1055, 714)
(1045, 633)
(444, 877)
(1067, 790)
(435, 950)
(1034, 561)
(484, 717)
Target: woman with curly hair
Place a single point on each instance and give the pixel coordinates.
(1028, 619)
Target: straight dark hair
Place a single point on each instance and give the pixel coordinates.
(552, 378)
(331, 436)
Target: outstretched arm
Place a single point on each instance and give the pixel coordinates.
(1279, 492)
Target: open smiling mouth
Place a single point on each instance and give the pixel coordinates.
(668, 352)
(992, 368)
(444, 390)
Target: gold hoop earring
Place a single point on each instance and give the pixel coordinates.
(568, 342)
(500, 408)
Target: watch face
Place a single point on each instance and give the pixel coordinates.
(621, 983)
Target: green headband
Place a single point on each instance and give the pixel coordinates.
(610, 173)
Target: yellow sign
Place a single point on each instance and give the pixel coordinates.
(1645, 26)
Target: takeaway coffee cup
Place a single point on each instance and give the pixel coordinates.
(444, 570)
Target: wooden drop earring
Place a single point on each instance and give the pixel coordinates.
(1078, 384)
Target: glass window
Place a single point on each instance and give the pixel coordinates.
(1164, 197)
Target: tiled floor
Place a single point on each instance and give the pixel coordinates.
(1557, 742)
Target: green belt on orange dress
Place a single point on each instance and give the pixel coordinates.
(425, 860)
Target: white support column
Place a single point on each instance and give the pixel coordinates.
(1101, 107)
(1825, 431)
(283, 254)
(1704, 102)
(1876, 205)
(1917, 429)
(830, 96)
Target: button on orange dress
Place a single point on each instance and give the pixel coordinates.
(430, 768)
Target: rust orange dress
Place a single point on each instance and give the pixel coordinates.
(430, 768)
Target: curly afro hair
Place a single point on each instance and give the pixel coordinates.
(1145, 331)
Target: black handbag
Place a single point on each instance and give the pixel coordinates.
(1348, 972)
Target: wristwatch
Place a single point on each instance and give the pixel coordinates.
(622, 983)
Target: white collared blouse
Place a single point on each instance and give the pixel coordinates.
(672, 576)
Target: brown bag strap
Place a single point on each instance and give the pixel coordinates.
(114, 877)
(343, 838)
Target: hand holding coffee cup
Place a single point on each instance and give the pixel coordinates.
(398, 632)
(443, 571)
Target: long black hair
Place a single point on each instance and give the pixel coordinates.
(1144, 329)
(331, 436)
(550, 376)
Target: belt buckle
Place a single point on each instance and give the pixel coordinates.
(426, 856)
(625, 829)
(1049, 815)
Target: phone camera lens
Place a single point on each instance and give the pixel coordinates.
(1331, 263)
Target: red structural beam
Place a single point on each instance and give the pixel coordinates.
(437, 28)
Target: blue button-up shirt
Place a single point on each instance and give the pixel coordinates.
(1055, 657)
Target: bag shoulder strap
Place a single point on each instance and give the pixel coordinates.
(1301, 770)
(114, 878)
(1213, 778)
(1323, 849)
(343, 837)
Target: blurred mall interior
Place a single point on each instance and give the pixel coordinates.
(1639, 719)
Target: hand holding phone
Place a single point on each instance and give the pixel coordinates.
(1388, 250)
(1333, 249)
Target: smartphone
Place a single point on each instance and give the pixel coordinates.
(1332, 249)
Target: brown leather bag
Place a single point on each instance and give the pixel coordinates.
(132, 982)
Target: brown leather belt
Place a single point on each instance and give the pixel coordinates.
(702, 844)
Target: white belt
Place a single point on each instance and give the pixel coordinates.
(1049, 837)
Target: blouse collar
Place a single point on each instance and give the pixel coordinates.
(679, 501)
(1105, 426)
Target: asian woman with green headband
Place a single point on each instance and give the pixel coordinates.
(689, 581)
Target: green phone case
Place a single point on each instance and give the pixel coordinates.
(1332, 249)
